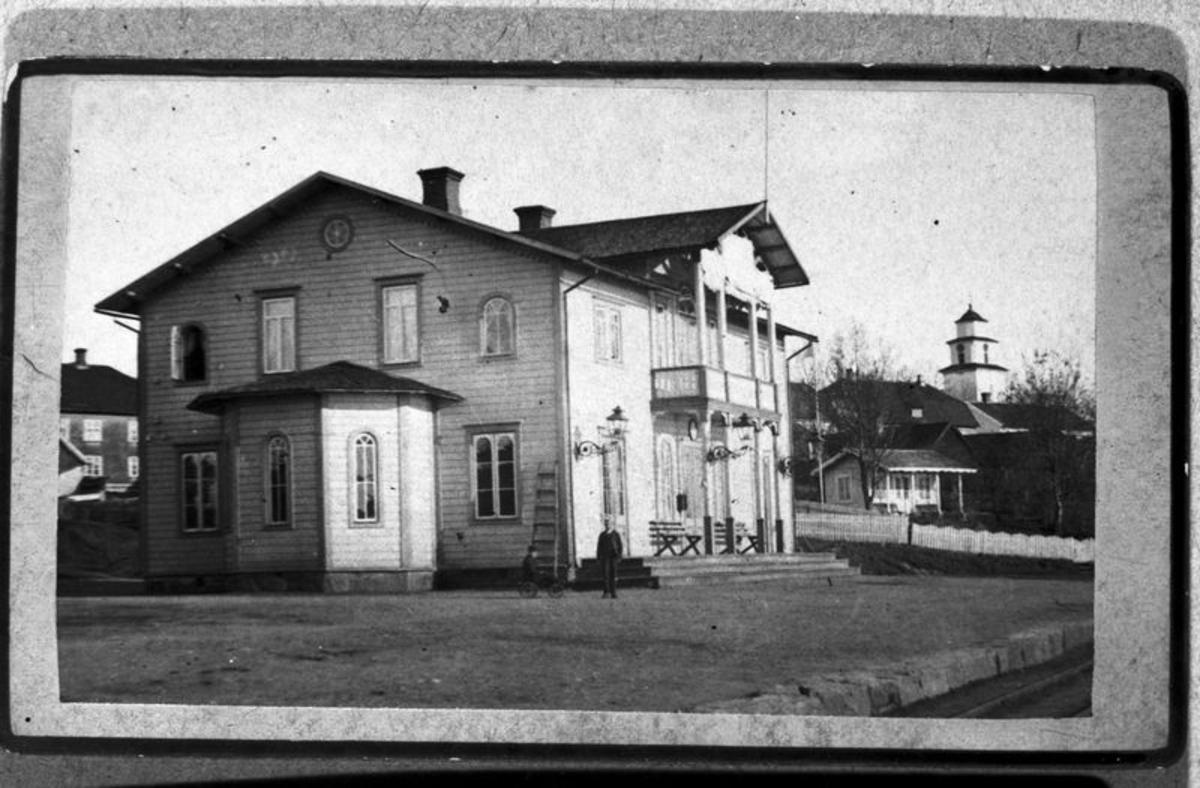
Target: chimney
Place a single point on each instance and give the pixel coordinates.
(81, 358)
(533, 217)
(441, 188)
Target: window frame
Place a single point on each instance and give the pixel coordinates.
(266, 297)
(133, 467)
(93, 427)
(269, 484)
(200, 452)
(93, 465)
(131, 432)
(511, 351)
(605, 315)
(179, 365)
(397, 283)
(493, 433)
(838, 482)
(376, 518)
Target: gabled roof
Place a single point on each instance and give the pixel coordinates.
(340, 377)
(898, 399)
(619, 240)
(98, 389)
(128, 299)
(907, 460)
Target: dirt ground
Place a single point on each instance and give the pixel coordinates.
(649, 650)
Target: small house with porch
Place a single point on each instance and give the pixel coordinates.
(349, 389)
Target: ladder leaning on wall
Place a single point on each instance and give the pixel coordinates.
(546, 516)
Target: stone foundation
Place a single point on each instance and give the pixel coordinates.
(367, 582)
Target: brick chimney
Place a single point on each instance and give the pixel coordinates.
(441, 188)
(81, 358)
(533, 217)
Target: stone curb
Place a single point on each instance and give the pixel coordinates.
(867, 693)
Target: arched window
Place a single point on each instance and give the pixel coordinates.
(985, 355)
(366, 479)
(279, 481)
(962, 353)
(187, 353)
(498, 328)
(667, 487)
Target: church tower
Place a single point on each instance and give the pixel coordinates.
(972, 376)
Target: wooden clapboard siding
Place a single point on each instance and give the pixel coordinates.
(260, 547)
(337, 318)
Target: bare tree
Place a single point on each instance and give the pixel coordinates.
(856, 403)
(1059, 412)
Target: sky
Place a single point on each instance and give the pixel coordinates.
(903, 204)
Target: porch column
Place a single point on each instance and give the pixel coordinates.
(960, 500)
(701, 314)
(772, 371)
(722, 326)
(754, 371)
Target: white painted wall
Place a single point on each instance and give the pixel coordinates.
(595, 389)
(418, 488)
(347, 545)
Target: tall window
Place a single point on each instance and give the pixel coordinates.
(131, 431)
(199, 472)
(366, 479)
(667, 509)
(131, 467)
(494, 461)
(279, 334)
(962, 353)
(612, 478)
(607, 321)
(188, 353)
(279, 481)
(499, 335)
(401, 343)
(843, 487)
(93, 430)
(95, 465)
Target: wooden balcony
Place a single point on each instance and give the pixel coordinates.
(676, 385)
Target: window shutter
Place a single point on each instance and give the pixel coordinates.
(176, 353)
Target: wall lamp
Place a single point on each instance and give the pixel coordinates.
(617, 421)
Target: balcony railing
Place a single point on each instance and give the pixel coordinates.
(714, 384)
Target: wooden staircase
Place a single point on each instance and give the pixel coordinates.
(546, 517)
(667, 572)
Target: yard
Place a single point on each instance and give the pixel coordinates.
(649, 650)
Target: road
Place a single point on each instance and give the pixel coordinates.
(1055, 689)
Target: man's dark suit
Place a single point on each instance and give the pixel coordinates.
(608, 551)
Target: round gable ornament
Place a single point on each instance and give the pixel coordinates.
(337, 233)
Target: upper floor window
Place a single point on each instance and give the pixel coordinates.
(93, 430)
(132, 467)
(188, 353)
(279, 334)
(95, 465)
(401, 331)
(198, 471)
(607, 320)
(366, 479)
(279, 481)
(131, 431)
(498, 327)
(494, 473)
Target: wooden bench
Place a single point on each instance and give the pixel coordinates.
(753, 540)
(667, 537)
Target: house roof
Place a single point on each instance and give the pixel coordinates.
(910, 460)
(340, 377)
(898, 399)
(98, 389)
(1027, 416)
(621, 239)
(970, 366)
(127, 301)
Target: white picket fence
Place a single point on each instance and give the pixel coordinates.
(894, 529)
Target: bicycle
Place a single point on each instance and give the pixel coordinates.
(553, 587)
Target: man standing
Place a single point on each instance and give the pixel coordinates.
(608, 553)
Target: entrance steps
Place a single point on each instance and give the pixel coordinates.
(675, 571)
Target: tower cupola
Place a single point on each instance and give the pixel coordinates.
(973, 374)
